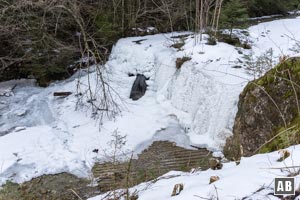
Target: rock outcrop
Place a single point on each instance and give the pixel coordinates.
(139, 87)
(268, 113)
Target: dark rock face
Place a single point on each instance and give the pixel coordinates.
(139, 87)
(267, 107)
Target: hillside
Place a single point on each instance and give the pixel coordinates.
(149, 99)
(191, 103)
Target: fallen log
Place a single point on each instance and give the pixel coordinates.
(61, 94)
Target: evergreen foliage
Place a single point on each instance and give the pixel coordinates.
(234, 13)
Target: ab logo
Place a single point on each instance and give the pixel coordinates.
(284, 186)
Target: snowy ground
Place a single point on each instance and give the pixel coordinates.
(195, 105)
(252, 179)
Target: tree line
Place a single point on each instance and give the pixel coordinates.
(43, 38)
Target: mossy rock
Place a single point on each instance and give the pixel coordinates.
(266, 107)
(283, 137)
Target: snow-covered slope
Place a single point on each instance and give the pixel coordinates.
(201, 94)
(195, 104)
(252, 179)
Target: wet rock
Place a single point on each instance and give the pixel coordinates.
(266, 107)
(213, 179)
(95, 150)
(284, 154)
(177, 189)
(215, 164)
(139, 87)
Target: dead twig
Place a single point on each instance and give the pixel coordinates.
(75, 194)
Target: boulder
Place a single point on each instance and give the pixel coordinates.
(213, 179)
(139, 87)
(268, 113)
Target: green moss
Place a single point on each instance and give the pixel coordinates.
(280, 71)
(204, 162)
(145, 175)
(292, 135)
(184, 168)
(296, 68)
(10, 191)
(251, 99)
(286, 137)
(261, 82)
(232, 149)
(270, 78)
(277, 85)
(288, 94)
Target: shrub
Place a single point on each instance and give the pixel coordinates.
(178, 45)
(180, 61)
(211, 41)
(258, 66)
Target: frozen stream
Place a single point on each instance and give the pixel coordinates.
(196, 104)
(23, 105)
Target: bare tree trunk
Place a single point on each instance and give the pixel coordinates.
(123, 17)
(218, 16)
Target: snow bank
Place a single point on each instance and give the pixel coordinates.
(253, 178)
(280, 35)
